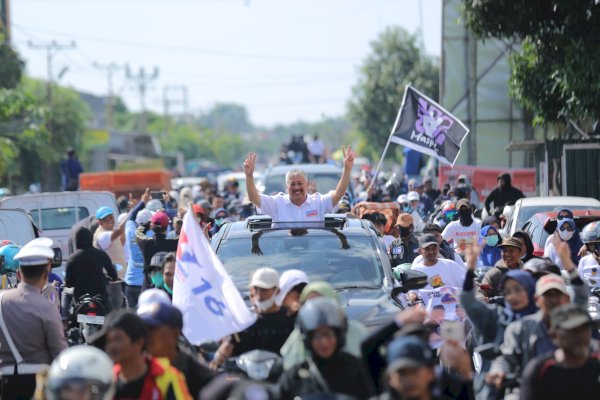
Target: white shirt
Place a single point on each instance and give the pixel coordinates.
(316, 147)
(589, 270)
(387, 240)
(550, 252)
(281, 209)
(457, 259)
(461, 236)
(418, 221)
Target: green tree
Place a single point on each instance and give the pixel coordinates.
(394, 62)
(226, 118)
(554, 73)
(11, 65)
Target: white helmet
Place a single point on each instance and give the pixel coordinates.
(85, 370)
(143, 217)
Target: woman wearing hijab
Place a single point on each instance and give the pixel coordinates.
(490, 252)
(527, 243)
(564, 213)
(566, 231)
(293, 350)
(221, 216)
(490, 320)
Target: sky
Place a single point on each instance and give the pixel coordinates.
(285, 60)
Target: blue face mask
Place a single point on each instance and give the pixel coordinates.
(491, 240)
(219, 221)
(406, 208)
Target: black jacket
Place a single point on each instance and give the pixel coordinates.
(401, 252)
(85, 270)
(343, 374)
(501, 197)
(152, 245)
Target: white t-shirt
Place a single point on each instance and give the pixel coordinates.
(457, 259)
(443, 273)
(550, 252)
(281, 209)
(589, 270)
(316, 147)
(461, 236)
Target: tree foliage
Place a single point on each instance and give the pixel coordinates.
(554, 74)
(11, 65)
(394, 62)
(226, 117)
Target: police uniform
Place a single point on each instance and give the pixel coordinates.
(33, 325)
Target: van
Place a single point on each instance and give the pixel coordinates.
(56, 213)
(17, 226)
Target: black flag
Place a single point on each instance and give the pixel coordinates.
(425, 126)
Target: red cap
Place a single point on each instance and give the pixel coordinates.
(160, 219)
(198, 209)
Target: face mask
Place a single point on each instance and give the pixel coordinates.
(406, 208)
(491, 240)
(404, 232)
(264, 305)
(157, 280)
(566, 235)
(219, 221)
(464, 212)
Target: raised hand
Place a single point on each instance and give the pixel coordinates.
(564, 253)
(249, 164)
(146, 196)
(472, 253)
(348, 157)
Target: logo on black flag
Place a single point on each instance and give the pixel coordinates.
(425, 126)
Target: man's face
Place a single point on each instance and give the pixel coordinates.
(511, 256)
(162, 340)
(120, 347)
(438, 315)
(428, 186)
(501, 183)
(218, 202)
(296, 187)
(168, 273)
(419, 189)
(260, 294)
(412, 383)
(594, 248)
(574, 342)
(430, 253)
(107, 223)
(178, 227)
(324, 342)
(550, 300)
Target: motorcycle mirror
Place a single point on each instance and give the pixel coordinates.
(411, 280)
(57, 259)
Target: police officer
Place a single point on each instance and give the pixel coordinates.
(26, 310)
(406, 248)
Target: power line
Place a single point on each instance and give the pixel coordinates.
(110, 69)
(141, 81)
(51, 48)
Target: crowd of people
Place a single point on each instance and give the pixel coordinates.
(491, 320)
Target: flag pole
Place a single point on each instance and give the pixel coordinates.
(387, 145)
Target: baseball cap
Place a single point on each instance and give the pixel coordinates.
(405, 220)
(512, 242)
(158, 258)
(103, 212)
(548, 282)
(159, 314)
(153, 295)
(427, 240)
(287, 281)
(402, 199)
(463, 177)
(569, 316)
(265, 278)
(408, 352)
(463, 202)
(198, 209)
(160, 219)
(122, 319)
(412, 196)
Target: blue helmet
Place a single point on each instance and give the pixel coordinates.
(591, 232)
(8, 252)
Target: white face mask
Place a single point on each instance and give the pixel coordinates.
(264, 305)
(566, 235)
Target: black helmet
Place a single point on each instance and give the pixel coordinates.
(320, 312)
(541, 266)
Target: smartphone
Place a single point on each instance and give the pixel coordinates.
(157, 195)
(452, 330)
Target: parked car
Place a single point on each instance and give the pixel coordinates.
(17, 226)
(543, 224)
(347, 253)
(56, 213)
(526, 207)
(324, 176)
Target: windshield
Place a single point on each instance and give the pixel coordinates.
(527, 212)
(334, 258)
(58, 218)
(324, 182)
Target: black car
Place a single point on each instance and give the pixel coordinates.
(345, 252)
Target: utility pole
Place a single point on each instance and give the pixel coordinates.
(5, 20)
(51, 49)
(110, 69)
(169, 99)
(141, 81)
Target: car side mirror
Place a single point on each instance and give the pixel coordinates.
(57, 259)
(410, 280)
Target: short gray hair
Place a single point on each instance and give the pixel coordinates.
(295, 172)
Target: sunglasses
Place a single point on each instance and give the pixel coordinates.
(560, 216)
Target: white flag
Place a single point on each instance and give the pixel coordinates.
(211, 304)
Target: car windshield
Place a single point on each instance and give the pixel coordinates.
(328, 256)
(58, 218)
(527, 212)
(324, 182)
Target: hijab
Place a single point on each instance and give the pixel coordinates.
(321, 287)
(575, 242)
(489, 254)
(528, 245)
(524, 279)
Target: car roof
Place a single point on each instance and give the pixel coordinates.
(353, 227)
(559, 201)
(308, 168)
(576, 213)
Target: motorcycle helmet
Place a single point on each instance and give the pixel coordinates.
(319, 312)
(591, 232)
(6, 242)
(85, 371)
(8, 253)
(143, 217)
(449, 211)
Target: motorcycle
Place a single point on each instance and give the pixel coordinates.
(86, 318)
(257, 365)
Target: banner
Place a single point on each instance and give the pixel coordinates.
(211, 304)
(484, 180)
(425, 126)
